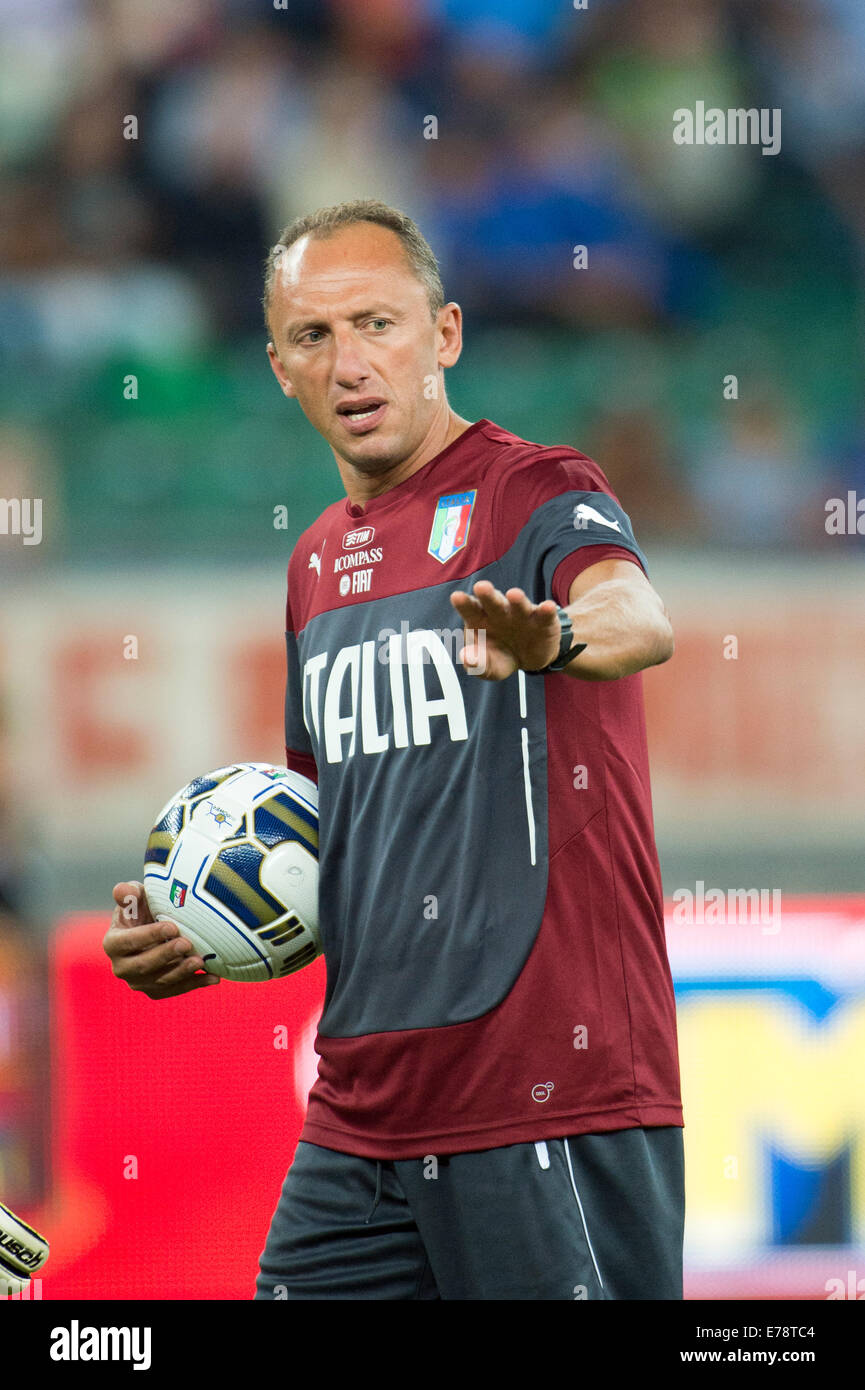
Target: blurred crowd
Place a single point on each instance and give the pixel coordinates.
(150, 153)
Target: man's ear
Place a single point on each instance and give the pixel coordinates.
(279, 371)
(450, 329)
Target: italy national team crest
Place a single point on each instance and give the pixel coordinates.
(178, 893)
(450, 528)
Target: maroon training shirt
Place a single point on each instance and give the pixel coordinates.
(490, 897)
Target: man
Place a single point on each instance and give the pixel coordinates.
(497, 1111)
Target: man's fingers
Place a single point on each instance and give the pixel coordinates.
(154, 972)
(123, 941)
(178, 971)
(155, 961)
(144, 967)
(122, 892)
(185, 987)
(484, 598)
(488, 601)
(468, 608)
(487, 604)
(522, 604)
(491, 600)
(131, 903)
(514, 629)
(518, 602)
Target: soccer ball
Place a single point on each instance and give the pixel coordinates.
(233, 860)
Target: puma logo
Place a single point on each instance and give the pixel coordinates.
(583, 514)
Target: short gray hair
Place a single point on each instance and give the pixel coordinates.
(329, 220)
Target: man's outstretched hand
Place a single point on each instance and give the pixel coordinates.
(506, 632)
(620, 626)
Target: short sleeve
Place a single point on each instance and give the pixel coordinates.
(555, 514)
(579, 560)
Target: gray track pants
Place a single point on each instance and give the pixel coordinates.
(593, 1216)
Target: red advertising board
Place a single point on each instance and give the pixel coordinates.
(173, 1126)
(173, 1123)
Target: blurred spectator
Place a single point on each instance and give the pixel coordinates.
(811, 57)
(359, 139)
(512, 203)
(552, 130)
(660, 56)
(527, 29)
(757, 483)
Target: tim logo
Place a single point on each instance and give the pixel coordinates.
(360, 537)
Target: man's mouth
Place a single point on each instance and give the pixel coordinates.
(360, 416)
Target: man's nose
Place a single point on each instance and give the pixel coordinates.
(350, 365)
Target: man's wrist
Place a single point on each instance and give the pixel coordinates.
(568, 648)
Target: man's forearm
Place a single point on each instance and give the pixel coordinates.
(625, 628)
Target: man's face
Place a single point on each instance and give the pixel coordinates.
(355, 342)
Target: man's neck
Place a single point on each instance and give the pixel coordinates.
(361, 487)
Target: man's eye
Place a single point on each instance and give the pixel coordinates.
(383, 322)
(311, 332)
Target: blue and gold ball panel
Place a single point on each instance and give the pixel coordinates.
(200, 786)
(164, 834)
(234, 879)
(282, 818)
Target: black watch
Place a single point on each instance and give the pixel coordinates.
(568, 649)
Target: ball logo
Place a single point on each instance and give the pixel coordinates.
(362, 536)
(344, 584)
(216, 820)
(542, 1091)
(178, 893)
